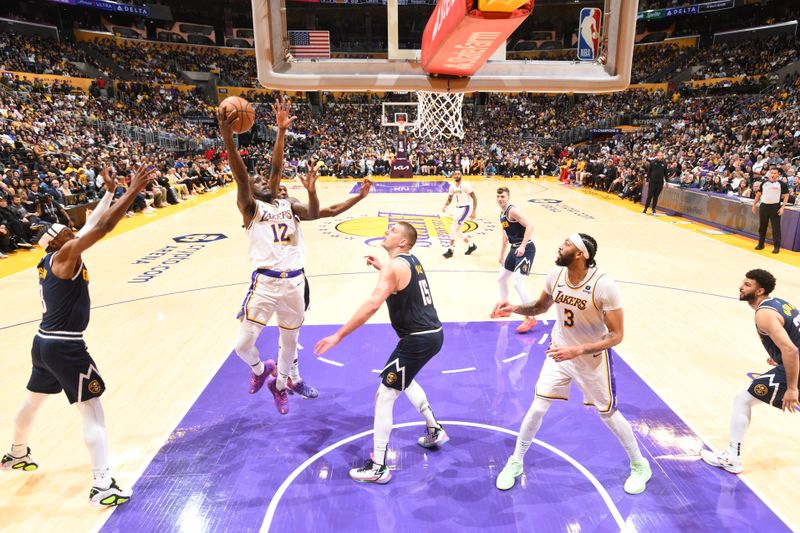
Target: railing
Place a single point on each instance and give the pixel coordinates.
(162, 139)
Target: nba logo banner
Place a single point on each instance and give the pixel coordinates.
(589, 33)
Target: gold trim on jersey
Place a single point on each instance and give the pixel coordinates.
(608, 384)
(247, 304)
(593, 288)
(551, 397)
(290, 329)
(582, 283)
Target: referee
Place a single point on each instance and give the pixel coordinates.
(774, 195)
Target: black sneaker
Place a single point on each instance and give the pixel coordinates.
(472, 248)
(760, 247)
(448, 254)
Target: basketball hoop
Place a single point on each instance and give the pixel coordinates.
(439, 115)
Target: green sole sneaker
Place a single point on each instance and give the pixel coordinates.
(640, 475)
(508, 476)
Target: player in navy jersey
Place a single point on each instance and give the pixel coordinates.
(59, 355)
(404, 287)
(778, 325)
(517, 264)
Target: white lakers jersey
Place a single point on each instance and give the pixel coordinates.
(581, 308)
(274, 237)
(461, 194)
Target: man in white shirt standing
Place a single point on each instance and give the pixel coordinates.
(589, 323)
(774, 195)
(463, 195)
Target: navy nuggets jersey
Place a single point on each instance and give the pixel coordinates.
(65, 302)
(791, 323)
(411, 309)
(514, 230)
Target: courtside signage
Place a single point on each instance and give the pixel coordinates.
(166, 257)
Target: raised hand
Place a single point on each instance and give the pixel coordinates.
(281, 110)
(366, 185)
(108, 181)
(143, 175)
(309, 181)
(373, 261)
(226, 121)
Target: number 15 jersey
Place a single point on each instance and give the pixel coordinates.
(581, 308)
(275, 239)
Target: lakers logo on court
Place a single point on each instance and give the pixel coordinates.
(430, 228)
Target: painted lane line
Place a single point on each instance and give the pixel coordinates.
(515, 357)
(374, 371)
(334, 363)
(273, 503)
(543, 339)
(457, 370)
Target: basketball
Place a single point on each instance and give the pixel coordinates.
(246, 115)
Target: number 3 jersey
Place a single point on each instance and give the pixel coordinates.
(276, 242)
(411, 309)
(581, 308)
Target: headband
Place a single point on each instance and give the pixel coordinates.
(51, 233)
(577, 240)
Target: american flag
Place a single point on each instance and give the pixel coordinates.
(310, 44)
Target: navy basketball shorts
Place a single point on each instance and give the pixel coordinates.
(522, 264)
(770, 386)
(411, 354)
(64, 365)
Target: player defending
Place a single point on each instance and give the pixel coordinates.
(59, 355)
(778, 325)
(463, 194)
(277, 284)
(404, 287)
(589, 323)
(517, 264)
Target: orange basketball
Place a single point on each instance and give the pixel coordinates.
(245, 114)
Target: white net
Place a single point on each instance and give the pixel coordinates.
(439, 115)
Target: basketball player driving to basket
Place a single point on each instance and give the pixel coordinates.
(277, 284)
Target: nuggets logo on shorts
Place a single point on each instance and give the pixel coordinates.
(94, 386)
(761, 389)
(391, 378)
(524, 269)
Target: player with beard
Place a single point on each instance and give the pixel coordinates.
(277, 284)
(589, 323)
(778, 325)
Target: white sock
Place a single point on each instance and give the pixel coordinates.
(624, 433)
(94, 434)
(19, 450)
(530, 426)
(246, 345)
(258, 368)
(502, 281)
(286, 355)
(384, 405)
(416, 395)
(101, 478)
(294, 372)
(743, 403)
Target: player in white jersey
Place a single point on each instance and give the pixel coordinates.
(297, 384)
(466, 204)
(589, 323)
(277, 285)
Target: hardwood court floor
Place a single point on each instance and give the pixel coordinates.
(163, 323)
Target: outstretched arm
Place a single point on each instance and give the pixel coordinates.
(339, 208)
(387, 283)
(105, 203)
(282, 121)
(66, 260)
(308, 211)
(538, 307)
(244, 192)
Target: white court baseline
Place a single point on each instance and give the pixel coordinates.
(273, 504)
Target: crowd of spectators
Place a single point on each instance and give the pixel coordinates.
(742, 58)
(39, 55)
